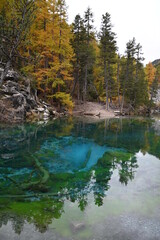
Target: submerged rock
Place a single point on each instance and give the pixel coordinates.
(76, 227)
(7, 156)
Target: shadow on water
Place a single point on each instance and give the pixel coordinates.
(45, 165)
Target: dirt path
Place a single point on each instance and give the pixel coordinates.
(92, 109)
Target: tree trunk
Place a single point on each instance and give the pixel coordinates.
(118, 85)
(122, 104)
(85, 82)
(74, 86)
(78, 92)
(136, 78)
(124, 89)
(76, 83)
(106, 82)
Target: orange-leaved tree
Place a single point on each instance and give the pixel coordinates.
(50, 52)
(150, 72)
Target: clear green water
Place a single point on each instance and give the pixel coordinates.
(69, 179)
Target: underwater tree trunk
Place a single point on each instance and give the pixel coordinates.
(38, 183)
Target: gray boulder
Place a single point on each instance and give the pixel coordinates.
(18, 102)
(157, 98)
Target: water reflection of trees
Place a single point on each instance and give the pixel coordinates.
(127, 133)
(74, 187)
(15, 144)
(40, 213)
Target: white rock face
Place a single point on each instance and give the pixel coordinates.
(157, 99)
(10, 75)
(1, 70)
(46, 114)
(40, 109)
(156, 126)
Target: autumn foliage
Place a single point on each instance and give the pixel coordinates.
(66, 62)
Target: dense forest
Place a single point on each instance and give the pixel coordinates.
(67, 63)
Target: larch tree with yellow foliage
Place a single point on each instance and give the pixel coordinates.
(15, 20)
(150, 72)
(50, 52)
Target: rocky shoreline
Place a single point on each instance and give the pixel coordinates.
(19, 103)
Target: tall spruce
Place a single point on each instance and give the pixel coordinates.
(83, 46)
(129, 69)
(134, 86)
(78, 42)
(107, 51)
(88, 24)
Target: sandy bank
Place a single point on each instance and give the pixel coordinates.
(92, 109)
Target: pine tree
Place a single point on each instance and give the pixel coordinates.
(88, 48)
(118, 78)
(84, 50)
(107, 52)
(140, 94)
(134, 86)
(129, 68)
(77, 44)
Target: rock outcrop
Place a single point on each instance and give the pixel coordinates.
(18, 102)
(157, 98)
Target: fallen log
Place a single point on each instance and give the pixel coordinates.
(37, 195)
(89, 114)
(38, 184)
(42, 181)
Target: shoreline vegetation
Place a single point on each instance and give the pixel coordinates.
(49, 68)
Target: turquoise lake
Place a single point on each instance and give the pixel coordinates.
(78, 179)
